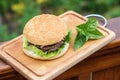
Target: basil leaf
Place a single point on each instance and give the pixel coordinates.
(68, 37)
(91, 23)
(94, 34)
(81, 28)
(79, 40)
(87, 31)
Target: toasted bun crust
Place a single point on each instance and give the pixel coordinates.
(45, 29)
(33, 55)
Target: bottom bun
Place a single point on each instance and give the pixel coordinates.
(34, 55)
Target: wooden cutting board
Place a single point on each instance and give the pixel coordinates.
(33, 69)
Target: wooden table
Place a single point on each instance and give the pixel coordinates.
(102, 65)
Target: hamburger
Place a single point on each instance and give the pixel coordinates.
(45, 37)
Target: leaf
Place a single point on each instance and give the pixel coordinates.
(87, 31)
(94, 34)
(68, 37)
(91, 23)
(80, 40)
(81, 28)
(90, 29)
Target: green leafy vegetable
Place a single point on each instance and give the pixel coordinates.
(87, 31)
(92, 23)
(25, 43)
(94, 34)
(78, 41)
(68, 37)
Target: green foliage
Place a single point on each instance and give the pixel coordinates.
(81, 6)
(5, 5)
(114, 12)
(20, 11)
(5, 34)
(20, 17)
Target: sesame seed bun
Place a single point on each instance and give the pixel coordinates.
(45, 29)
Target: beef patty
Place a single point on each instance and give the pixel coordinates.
(49, 48)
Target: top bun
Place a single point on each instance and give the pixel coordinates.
(45, 29)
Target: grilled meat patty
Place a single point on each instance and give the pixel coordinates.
(49, 48)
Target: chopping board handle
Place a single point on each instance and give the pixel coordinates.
(100, 18)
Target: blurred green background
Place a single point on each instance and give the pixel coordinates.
(15, 13)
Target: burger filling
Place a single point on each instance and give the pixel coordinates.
(49, 48)
(47, 51)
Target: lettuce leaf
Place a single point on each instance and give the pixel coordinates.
(68, 37)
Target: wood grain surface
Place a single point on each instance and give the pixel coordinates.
(69, 19)
(112, 73)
